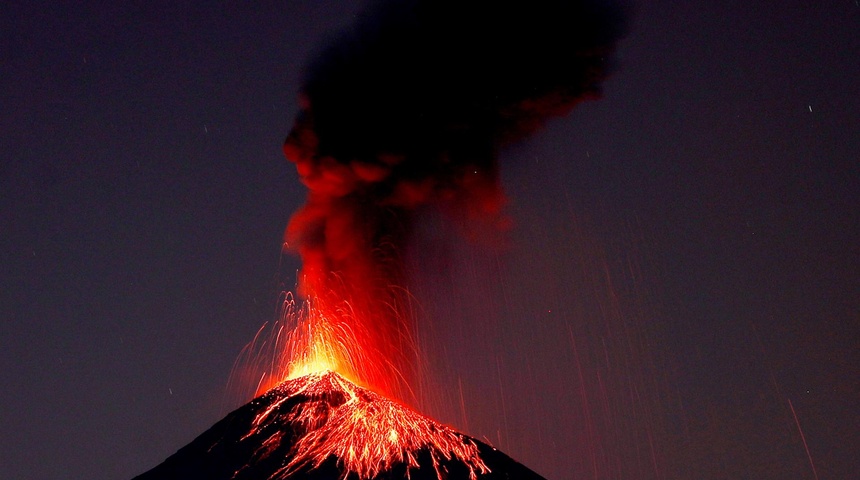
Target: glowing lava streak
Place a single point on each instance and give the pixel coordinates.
(322, 342)
(333, 335)
(366, 433)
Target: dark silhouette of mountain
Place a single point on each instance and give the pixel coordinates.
(324, 427)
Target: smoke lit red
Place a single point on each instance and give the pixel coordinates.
(396, 118)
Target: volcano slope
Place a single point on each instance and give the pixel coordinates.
(323, 427)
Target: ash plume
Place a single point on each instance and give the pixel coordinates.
(408, 109)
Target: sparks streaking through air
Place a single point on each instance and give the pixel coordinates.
(368, 434)
(330, 336)
(318, 335)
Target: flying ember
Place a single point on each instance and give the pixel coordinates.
(321, 334)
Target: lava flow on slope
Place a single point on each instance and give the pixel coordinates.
(322, 426)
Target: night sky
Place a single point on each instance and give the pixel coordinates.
(679, 296)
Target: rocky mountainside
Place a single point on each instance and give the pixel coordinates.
(322, 426)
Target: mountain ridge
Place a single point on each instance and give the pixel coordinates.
(322, 426)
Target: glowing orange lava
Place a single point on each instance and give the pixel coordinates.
(365, 432)
(323, 405)
(340, 336)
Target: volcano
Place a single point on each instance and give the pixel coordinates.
(324, 427)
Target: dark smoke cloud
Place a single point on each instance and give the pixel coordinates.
(409, 108)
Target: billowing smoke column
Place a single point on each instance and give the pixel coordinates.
(408, 109)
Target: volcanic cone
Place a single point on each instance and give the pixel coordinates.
(322, 426)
